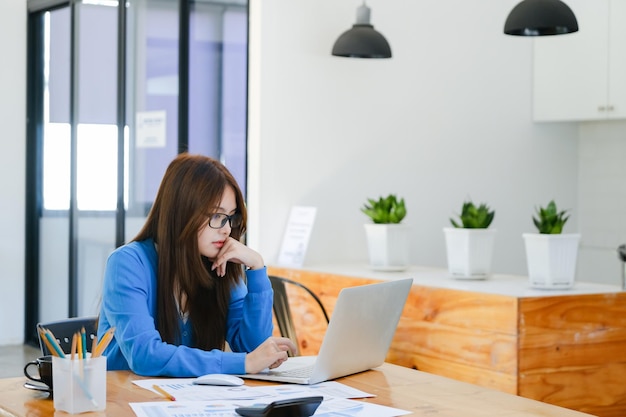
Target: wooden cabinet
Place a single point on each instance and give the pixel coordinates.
(582, 76)
(564, 347)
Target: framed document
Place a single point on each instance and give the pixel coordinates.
(297, 234)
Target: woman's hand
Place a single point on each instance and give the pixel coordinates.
(235, 251)
(270, 354)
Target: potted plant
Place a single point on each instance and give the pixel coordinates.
(470, 242)
(551, 255)
(387, 239)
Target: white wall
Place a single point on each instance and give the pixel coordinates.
(602, 199)
(447, 118)
(12, 172)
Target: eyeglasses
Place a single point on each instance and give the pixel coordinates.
(218, 220)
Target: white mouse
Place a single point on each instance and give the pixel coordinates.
(218, 379)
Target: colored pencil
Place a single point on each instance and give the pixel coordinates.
(73, 349)
(164, 393)
(83, 338)
(55, 345)
(83, 386)
(103, 342)
(42, 334)
(79, 345)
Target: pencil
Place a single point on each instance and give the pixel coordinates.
(46, 342)
(73, 349)
(79, 345)
(81, 383)
(55, 346)
(164, 393)
(83, 338)
(103, 342)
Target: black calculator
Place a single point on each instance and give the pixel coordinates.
(293, 407)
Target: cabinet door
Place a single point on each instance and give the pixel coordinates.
(570, 71)
(617, 62)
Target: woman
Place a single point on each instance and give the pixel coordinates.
(176, 294)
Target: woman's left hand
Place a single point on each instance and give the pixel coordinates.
(235, 251)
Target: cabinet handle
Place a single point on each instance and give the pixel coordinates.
(601, 108)
(610, 108)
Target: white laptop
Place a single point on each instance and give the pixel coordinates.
(357, 339)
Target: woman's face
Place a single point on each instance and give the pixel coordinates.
(211, 240)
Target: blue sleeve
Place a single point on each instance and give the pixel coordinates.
(129, 305)
(250, 314)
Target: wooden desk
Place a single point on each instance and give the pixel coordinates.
(565, 347)
(421, 393)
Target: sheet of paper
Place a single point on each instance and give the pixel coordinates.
(296, 237)
(184, 390)
(151, 129)
(329, 389)
(329, 407)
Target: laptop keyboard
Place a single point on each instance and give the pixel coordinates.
(303, 372)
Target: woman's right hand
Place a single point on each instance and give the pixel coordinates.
(269, 354)
(235, 251)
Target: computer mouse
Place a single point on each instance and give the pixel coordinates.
(218, 379)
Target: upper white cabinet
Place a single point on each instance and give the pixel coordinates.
(582, 76)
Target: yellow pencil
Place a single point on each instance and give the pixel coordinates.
(104, 342)
(164, 393)
(79, 345)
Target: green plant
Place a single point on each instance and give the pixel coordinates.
(473, 217)
(549, 220)
(385, 210)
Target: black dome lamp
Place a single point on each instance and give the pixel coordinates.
(540, 18)
(362, 41)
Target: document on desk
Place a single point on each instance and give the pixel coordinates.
(182, 389)
(216, 401)
(330, 407)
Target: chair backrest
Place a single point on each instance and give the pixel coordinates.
(282, 309)
(63, 331)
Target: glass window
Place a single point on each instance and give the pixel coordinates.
(217, 108)
(73, 102)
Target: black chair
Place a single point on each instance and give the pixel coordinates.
(282, 310)
(63, 331)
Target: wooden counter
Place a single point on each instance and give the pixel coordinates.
(564, 347)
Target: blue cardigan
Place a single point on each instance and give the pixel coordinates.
(129, 305)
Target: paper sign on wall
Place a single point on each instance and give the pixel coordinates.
(297, 234)
(150, 129)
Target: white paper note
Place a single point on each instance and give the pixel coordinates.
(296, 238)
(151, 129)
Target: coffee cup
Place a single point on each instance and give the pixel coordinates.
(44, 369)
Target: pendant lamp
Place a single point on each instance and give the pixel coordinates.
(540, 18)
(362, 41)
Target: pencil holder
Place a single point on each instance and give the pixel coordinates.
(79, 384)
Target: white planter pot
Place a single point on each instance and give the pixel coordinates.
(551, 259)
(388, 246)
(470, 252)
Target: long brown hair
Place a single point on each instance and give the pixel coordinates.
(192, 184)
